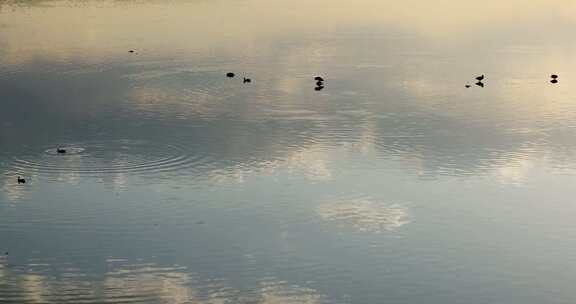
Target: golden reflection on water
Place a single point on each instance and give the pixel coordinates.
(61, 30)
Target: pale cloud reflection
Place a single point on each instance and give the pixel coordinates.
(364, 215)
(312, 162)
(514, 172)
(145, 283)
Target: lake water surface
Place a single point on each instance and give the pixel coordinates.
(393, 184)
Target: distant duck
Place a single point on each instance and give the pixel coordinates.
(21, 180)
(319, 88)
(319, 83)
(480, 78)
(229, 74)
(246, 80)
(318, 78)
(554, 76)
(480, 84)
(131, 51)
(467, 86)
(554, 80)
(61, 150)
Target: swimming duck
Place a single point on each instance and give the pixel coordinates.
(246, 80)
(318, 78)
(554, 76)
(229, 74)
(319, 83)
(480, 78)
(61, 150)
(480, 84)
(21, 180)
(467, 86)
(554, 80)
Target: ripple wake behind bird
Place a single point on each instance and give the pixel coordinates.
(108, 157)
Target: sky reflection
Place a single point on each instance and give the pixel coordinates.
(143, 282)
(394, 178)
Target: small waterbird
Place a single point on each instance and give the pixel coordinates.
(480, 78)
(61, 150)
(318, 78)
(21, 180)
(229, 74)
(246, 80)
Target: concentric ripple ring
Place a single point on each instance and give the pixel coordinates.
(103, 157)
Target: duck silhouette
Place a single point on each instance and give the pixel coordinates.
(554, 80)
(229, 74)
(467, 86)
(61, 150)
(319, 88)
(318, 78)
(480, 84)
(246, 80)
(554, 76)
(480, 78)
(21, 180)
(319, 83)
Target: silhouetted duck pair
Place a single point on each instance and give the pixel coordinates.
(479, 81)
(244, 79)
(554, 78)
(319, 83)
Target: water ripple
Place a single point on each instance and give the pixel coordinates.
(106, 157)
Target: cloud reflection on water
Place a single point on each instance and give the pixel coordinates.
(142, 283)
(364, 215)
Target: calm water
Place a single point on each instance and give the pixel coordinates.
(394, 184)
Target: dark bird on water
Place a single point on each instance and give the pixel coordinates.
(319, 83)
(554, 76)
(467, 86)
(480, 84)
(319, 88)
(131, 51)
(21, 180)
(554, 81)
(480, 78)
(61, 150)
(246, 80)
(229, 74)
(318, 78)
